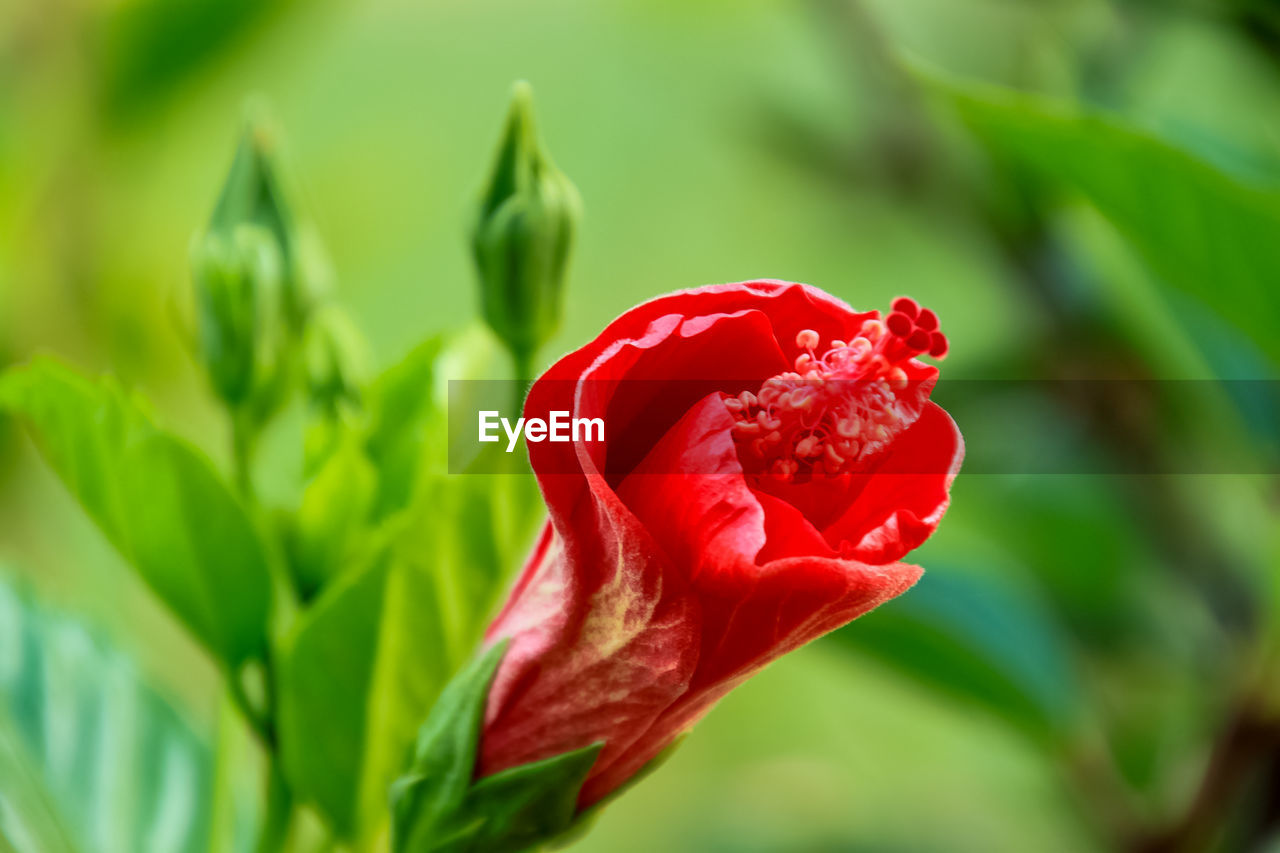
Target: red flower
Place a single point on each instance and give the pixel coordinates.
(771, 455)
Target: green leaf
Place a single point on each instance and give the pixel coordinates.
(978, 639)
(436, 807)
(148, 48)
(157, 499)
(470, 531)
(1202, 230)
(90, 758)
(324, 680)
(358, 672)
(400, 404)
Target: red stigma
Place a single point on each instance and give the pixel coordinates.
(899, 324)
(906, 305)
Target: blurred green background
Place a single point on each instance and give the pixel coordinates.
(1084, 651)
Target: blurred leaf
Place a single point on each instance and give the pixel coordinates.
(90, 758)
(325, 687)
(1085, 553)
(149, 46)
(156, 498)
(360, 670)
(978, 639)
(1202, 230)
(399, 404)
(235, 808)
(365, 474)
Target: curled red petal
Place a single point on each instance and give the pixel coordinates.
(902, 500)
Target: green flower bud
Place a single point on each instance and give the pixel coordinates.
(237, 299)
(257, 192)
(336, 358)
(523, 235)
(331, 520)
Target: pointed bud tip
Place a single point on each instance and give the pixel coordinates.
(260, 127)
(522, 93)
(521, 133)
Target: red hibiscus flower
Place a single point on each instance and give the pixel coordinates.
(771, 455)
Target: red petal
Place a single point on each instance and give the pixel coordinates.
(903, 498)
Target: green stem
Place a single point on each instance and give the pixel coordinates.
(522, 361)
(243, 439)
(257, 712)
(276, 823)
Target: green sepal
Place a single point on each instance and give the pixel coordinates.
(439, 807)
(529, 805)
(587, 818)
